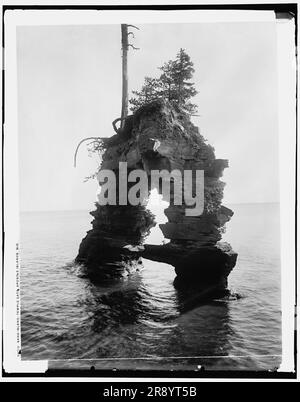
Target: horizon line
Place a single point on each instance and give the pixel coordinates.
(83, 209)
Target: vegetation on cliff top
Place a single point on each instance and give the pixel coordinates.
(173, 84)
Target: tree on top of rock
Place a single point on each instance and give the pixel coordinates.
(173, 84)
(151, 90)
(181, 73)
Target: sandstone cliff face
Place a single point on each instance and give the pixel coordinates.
(157, 137)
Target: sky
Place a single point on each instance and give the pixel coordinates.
(69, 88)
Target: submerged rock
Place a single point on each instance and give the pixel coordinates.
(159, 136)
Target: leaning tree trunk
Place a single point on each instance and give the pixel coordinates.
(124, 111)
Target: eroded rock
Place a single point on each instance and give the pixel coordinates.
(159, 136)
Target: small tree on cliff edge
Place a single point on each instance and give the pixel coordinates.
(173, 84)
(151, 89)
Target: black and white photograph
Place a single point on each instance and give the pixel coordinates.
(149, 191)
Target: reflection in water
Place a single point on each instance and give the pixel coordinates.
(145, 316)
(67, 315)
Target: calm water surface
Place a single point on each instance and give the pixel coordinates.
(135, 322)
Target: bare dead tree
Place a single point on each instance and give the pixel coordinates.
(125, 45)
(124, 110)
(124, 40)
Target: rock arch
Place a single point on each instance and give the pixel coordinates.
(160, 136)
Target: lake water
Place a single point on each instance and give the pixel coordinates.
(136, 322)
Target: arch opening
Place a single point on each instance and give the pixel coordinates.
(156, 205)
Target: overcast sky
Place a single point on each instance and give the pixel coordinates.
(69, 87)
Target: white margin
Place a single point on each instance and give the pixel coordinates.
(286, 72)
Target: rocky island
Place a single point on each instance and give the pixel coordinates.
(161, 136)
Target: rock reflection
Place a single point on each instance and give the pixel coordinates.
(150, 318)
(123, 299)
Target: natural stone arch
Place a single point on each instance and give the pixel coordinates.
(158, 136)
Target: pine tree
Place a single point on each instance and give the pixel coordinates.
(150, 91)
(167, 81)
(182, 72)
(173, 84)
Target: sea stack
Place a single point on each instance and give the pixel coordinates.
(161, 136)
